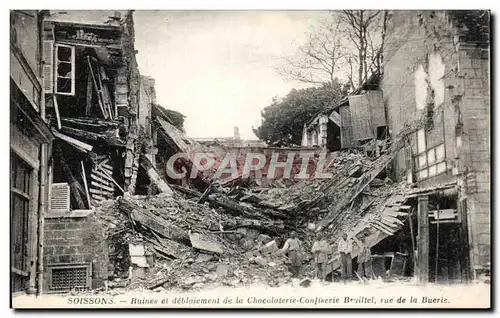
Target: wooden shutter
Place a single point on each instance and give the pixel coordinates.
(360, 117)
(346, 136)
(48, 66)
(60, 197)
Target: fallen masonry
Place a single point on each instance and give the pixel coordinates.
(189, 239)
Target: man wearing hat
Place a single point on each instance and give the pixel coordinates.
(320, 250)
(344, 246)
(292, 246)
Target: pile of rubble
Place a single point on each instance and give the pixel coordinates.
(232, 236)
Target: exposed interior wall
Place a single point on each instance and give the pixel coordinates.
(146, 99)
(432, 75)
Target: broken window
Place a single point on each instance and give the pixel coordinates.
(65, 69)
(431, 162)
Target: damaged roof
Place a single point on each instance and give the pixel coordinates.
(102, 18)
(369, 84)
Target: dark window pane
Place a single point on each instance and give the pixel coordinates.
(63, 53)
(64, 85)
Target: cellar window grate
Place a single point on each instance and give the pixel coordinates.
(67, 277)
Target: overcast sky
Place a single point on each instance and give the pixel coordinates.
(216, 67)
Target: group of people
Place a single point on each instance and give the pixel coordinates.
(321, 251)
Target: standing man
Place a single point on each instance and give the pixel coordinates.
(345, 249)
(364, 259)
(292, 246)
(320, 250)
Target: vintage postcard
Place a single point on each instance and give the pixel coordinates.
(250, 159)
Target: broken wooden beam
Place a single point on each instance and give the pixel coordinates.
(84, 177)
(154, 177)
(111, 178)
(102, 186)
(378, 166)
(81, 133)
(101, 192)
(88, 96)
(56, 108)
(388, 223)
(394, 213)
(204, 243)
(96, 87)
(105, 181)
(154, 222)
(72, 141)
(376, 226)
(392, 219)
(205, 194)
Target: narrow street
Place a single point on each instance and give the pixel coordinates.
(219, 159)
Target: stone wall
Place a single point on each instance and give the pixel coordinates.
(75, 238)
(431, 74)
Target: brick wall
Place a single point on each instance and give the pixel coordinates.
(75, 240)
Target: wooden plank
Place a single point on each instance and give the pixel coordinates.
(387, 227)
(154, 222)
(388, 223)
(100, 180)
(101, 174)
(81, 133)
(376, 226)
(102, 186)
(106, 167)
(88, 97)
(104, 162)
(393, 220)
(84, 177)
(104, 93)
(405, 207)
(109, 171)
(111, 178)
(98, 197)
(394, 213)
(56, 108)
(95, 191)
(423, 240)
(72, 141)
(155, 177)
(413, 247)
(99, 94)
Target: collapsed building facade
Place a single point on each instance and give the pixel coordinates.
(433, 106)
(409, 163)
(85, 87)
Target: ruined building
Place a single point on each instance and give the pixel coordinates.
(410, 164)
(30, 149)
(74, 81)
(432, 103)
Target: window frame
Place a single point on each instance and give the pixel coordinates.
(56, 67)
(427, 166)
(23, 193)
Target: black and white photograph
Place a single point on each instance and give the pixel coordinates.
(321, 159)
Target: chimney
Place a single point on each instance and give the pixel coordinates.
(236, 133)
